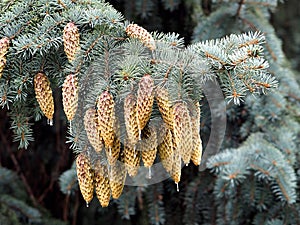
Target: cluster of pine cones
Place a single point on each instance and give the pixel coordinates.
(178, 140)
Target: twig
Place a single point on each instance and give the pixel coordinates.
(18, 169)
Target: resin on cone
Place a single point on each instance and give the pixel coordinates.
(102, 187)
(85, 177)
(70, 96)
(136, 31)
(44, 96)
(4, 44)
(92, 130)
(106, 118)
(144, 101)
(71, 40)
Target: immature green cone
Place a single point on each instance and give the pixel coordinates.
(85, 177)
(70, 96)
(197, 143)
(148, 146)
(135, 31)
(164, 106)
(117, 176)
(106, 118)
(183, 131)
(102, 187)
(130, 119)
(92, 131)
(165, 150)
(4, 44)
(144, 101)
(44, 96)
(71, 40)
(132, 159)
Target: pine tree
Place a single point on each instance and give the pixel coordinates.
(130, 78)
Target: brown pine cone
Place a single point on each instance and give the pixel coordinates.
(70, 96)
(71, 40)
(135, 31)
(102, 186)
(44, 96)
(85, 177)
(92, 131)
(106, 118)
(144, 101)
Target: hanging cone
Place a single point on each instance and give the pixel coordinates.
(164, 106)
(92, 131)
(102, 187)
(165, 150)
(135, 31)
(148, 146)
(106, 118)
(71, 40)
(131, 124)
(44, 96)
(112, 154)
(176, 167)
(183, 131)
(4, 44)
(144, 101)
(132, 159)
(85, 177)
(117, 178)
(197, 143)
(70, 96)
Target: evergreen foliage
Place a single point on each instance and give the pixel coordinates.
(253, 180)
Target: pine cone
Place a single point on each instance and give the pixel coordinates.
(131, 124)
(197, 143)
(4, 44)
(71, 40)
(176, 167)
(148, 146)
(183, 131)
(85, 177)
(132, 159)
(106, 118)
(164, 106)
(135, 31)
(165, 151)
(117, 178)
(144, 101)
(102, 187)
(112, 154)
(92, 131)
(70, 96)
(44, 96)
